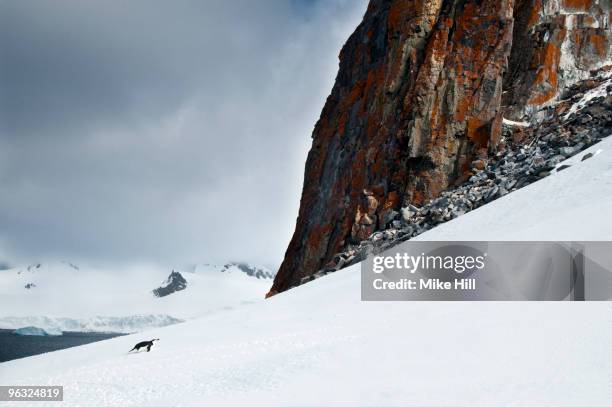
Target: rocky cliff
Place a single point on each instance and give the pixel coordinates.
(420, 96)
(555, 44)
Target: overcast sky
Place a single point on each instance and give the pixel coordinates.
(167, 132)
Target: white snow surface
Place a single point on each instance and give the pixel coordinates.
(319, 345)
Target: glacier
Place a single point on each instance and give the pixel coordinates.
(36, 331)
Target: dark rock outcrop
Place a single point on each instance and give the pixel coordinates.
(252, 271)
(175, 282)
(417, 103)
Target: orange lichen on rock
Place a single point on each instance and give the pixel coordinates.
(462, 108)
(588, 21)
(479, 132)
(536, 75)
(318, 231)
(354, 95)
(398, 12)
(534, 16)
(358, 169)
(599, 43)
(392, 200)
(546, 80)
(417, 197)
(373, 81)
(577, 5)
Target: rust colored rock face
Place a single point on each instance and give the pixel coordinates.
(417, 99)
(556, 43)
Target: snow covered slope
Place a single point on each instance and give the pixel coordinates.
(318, 344)
(69, 297)
(574, 204)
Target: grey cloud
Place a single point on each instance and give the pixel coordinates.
(160, 131)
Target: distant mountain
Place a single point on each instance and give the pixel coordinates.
(127, 300)
(52, 266)
(250, 270)
(175, 282)
(255, 271)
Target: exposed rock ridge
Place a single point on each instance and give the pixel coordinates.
(175, 282)
(417, 99)
(252, 271)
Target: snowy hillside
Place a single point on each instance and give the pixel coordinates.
(570, 205)
(68, 297)
(318, 344)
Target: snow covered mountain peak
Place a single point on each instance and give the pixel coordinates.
(258, 272)
(57, 266)
(175, 282)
